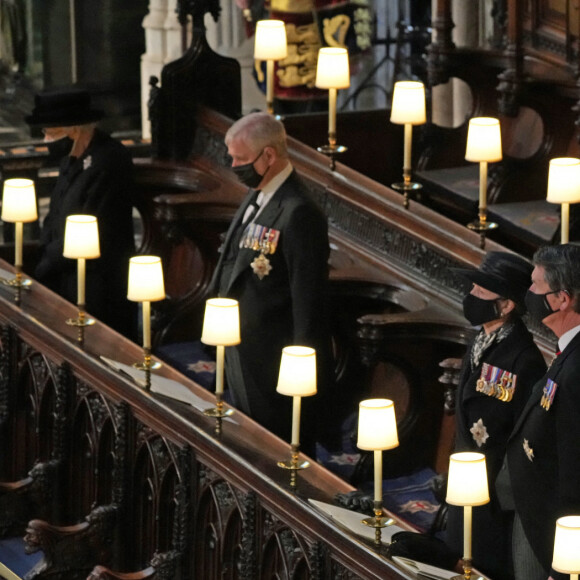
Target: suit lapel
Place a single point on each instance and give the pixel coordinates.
(552, 373)
(238, 216)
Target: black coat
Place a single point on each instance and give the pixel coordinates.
(543, 455)
(286, 307)
(518, 354)
(98, 183)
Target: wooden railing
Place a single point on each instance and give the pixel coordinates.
(238, 515)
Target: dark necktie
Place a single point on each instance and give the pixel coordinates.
(252, 208)
(250, 212)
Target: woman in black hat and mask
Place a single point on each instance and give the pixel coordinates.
(95, 178)
(499, 369)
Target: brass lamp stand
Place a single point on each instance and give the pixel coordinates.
(146, 285)
(332, 73)
(270, 44)
(408, 109)
(377, 431)
(564, 188)
(221, 328)
(483, 146)
(81, 242)
(18, 207)
(467, 487)
(297, 379)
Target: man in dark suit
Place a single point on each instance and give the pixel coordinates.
(498, 373)
(274, 261)
(95, 178)
(543, 458)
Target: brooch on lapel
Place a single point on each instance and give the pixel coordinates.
(264, 240)
(497, 383)
(528, 450)
(549, 393)
(87, 161)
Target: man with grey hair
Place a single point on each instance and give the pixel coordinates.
(541, 474)
(274, 261)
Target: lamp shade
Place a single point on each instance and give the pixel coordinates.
(467, 479)
(221, 322)
(19, 201)
(564, 180)
(332, 70)
(297, 376)
(145, 279)
(270, 40)
(483, 140)
(567, 545)
(377, 425)
(408, 103)
(81, 237)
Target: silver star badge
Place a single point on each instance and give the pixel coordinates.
(528, 450)
(261, 266)
(479, 432)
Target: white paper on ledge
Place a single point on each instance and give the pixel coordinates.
(161, 385)
(427, 571)
(6, 275)
(353, 521)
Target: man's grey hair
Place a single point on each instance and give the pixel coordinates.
(561, 265)
(259, 130)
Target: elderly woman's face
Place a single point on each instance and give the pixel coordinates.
(55, 133)
(483, 293)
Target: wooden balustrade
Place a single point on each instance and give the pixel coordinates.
(222, 504)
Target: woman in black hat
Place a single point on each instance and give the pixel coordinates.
(95, 178)
(499, 369)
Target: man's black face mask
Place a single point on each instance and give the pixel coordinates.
(538, 306)
(247, 174)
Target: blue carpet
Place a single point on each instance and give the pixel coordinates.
(13, 557)
(411, 497)
(193, 359)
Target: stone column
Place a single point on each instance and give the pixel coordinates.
(452, 101)
(154, 58)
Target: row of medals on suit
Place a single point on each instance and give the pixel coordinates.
(495, 382)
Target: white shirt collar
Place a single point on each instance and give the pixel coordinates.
(567, 337)
(273, 185)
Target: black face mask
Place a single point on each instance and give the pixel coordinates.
(247, 174)
(478, 311)
(58, 149)
(538, 306)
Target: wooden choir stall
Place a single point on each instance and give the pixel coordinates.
(103, 478)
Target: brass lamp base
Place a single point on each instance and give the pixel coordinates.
(482, 226)
(378, 521)
(406, 187)
(467, 568)
(293, 465)
(218, 412)
(18, 283)
(80, 322)
(331, 150)
(147, 365)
